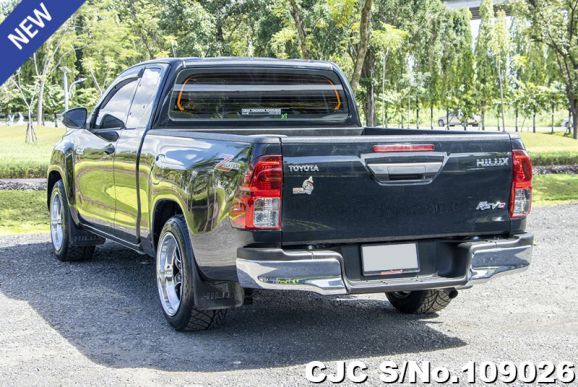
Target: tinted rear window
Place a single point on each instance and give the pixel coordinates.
(257, 94)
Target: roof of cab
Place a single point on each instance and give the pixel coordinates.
(244, 61)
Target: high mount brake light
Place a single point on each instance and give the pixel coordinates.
(258, 201)
(521, 196)
(403, 148)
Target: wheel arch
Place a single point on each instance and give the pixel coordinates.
(163, 210)
(209, 295)
(53, 177)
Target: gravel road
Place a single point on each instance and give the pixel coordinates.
(99, 322)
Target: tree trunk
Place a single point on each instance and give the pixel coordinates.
(483, 119)
(364, 32)
(383, 107)
(448, 118)
(516, 113)
(370, 107)
(574, 108)
(368, 77)
(408, 111)
(552, 116)
(300, 27)
(224, 48)
(501, 101)
(534, 122)
(30, 132)
(40, 110)
(431, 119)
(417, 112)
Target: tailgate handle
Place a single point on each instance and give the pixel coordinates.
(405, 171)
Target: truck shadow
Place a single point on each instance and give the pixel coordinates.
(108, 309)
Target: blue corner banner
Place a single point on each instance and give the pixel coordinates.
(27, 28)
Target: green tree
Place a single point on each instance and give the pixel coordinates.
(486, 74)
(106, 45)
(500, 49)
(142, 20)
(554, 23)
(28, 94)
(386, 40)
(457, 71)
(56, 52)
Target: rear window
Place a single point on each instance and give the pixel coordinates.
(257, 94)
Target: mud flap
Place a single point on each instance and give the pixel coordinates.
(210, 295)
(79, 237)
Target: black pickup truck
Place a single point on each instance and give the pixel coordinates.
(240, 174)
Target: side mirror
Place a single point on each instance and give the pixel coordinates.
(75, 118)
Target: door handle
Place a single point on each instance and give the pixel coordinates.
(109, 149)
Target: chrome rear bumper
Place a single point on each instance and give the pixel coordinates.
(321, 271)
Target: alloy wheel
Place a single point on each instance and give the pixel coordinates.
(56, 223)
(170, 274)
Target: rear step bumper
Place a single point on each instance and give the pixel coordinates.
(321, 271)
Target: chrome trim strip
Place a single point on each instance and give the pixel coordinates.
(321, 276)
(405, 284)
(500, 257)
(405, 168)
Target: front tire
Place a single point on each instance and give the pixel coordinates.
(60, 223)
(175, 267)
(421, 301)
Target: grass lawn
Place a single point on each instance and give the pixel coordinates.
(553, 189)
(543, 119)
(551, 149)
(21, 160)
(24, 212)
(547, 142)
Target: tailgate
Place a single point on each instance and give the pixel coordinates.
(379, 188)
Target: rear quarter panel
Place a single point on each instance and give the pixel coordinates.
(62, 162)
(201, 173)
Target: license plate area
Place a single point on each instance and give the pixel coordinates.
(389, 259)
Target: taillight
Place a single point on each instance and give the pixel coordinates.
(521, 197)
(258, 201)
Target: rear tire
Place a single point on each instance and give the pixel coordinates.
(60, 223)
(421, 301)
(441, 123)
(175, 268)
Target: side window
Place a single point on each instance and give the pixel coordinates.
(115, 112)
(143, 100)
